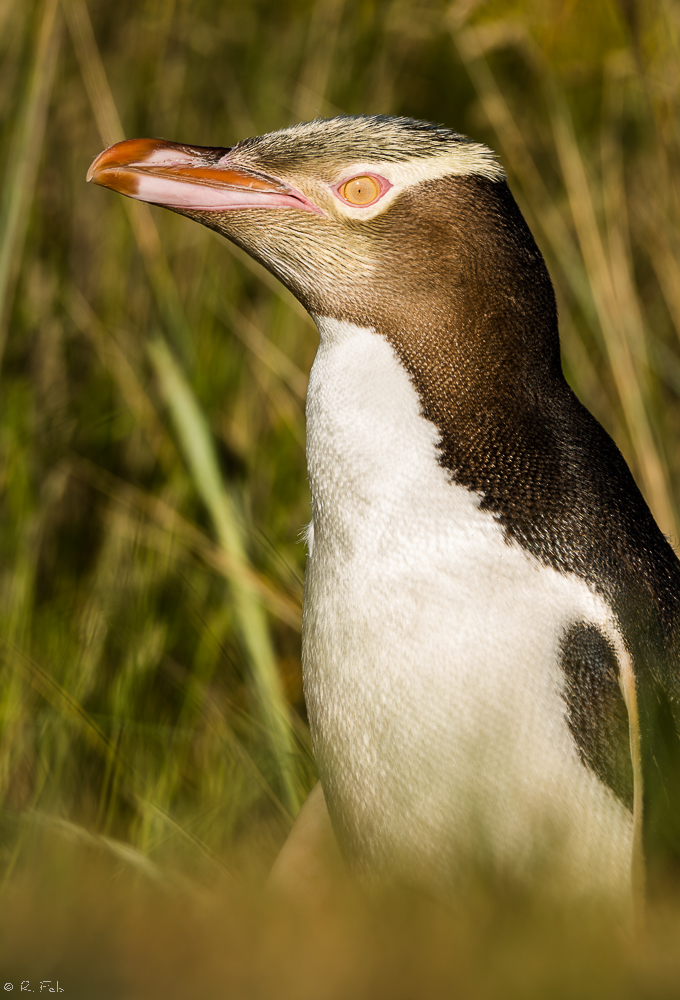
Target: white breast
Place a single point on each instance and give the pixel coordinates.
(431, 652)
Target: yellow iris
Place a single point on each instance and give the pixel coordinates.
(360, 190)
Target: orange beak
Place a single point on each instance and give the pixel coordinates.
(190, 177)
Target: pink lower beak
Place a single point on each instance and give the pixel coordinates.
(190, 177)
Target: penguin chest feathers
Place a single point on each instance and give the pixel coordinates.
(432, 649)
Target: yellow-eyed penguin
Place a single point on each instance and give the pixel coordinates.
(490, 612)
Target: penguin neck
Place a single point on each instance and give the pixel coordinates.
(482, 374)
(373, 457)
(494, 389)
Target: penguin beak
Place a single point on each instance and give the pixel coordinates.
(199, 178)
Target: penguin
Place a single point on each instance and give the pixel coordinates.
(490, 614)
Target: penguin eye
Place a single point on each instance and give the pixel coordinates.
(362, 190)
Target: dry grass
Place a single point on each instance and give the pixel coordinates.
(104, 922)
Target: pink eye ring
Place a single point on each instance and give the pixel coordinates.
(362, 190)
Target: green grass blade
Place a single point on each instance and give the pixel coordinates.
(199, 453)
(628, 376)
(111, 130)
(24, 157)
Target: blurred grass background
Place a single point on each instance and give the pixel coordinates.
(152, 384)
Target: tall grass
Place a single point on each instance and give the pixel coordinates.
(152, 475)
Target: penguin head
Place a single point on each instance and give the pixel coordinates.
(378, 221)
